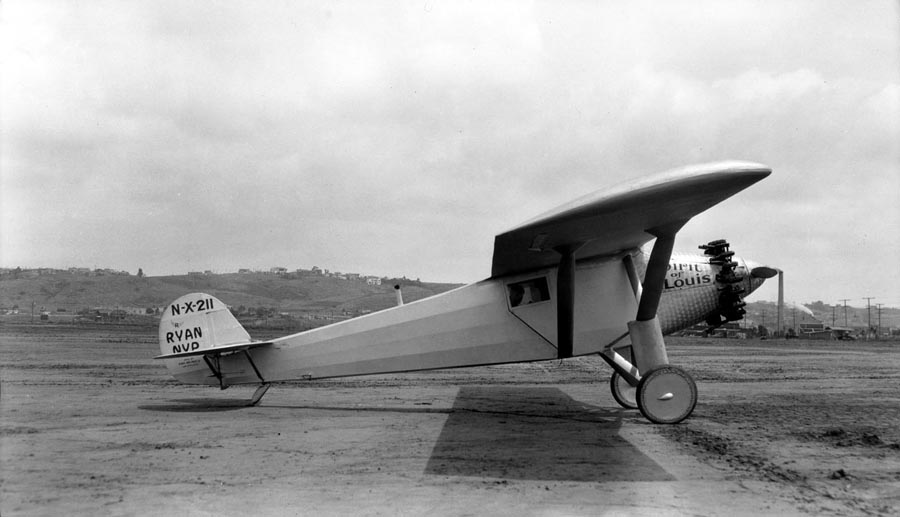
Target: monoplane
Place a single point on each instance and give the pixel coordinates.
(577, 280)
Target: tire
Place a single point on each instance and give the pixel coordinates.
(666, 395)
(624, 393)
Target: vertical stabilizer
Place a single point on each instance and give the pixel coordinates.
(198, 322)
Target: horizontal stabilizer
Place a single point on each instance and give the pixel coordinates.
(219, 350)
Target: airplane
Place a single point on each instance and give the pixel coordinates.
(580, 279)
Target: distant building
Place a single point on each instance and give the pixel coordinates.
(731, 330)
(108, 271)
(821, 331)
(278, 271)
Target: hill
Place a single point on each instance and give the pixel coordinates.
(66, 292)
(311, 296)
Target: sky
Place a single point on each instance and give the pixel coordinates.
(398, 138)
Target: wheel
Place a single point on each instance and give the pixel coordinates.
(666, 395)
(624, 393)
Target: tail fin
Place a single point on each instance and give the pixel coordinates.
(198, 322)
(194, 323)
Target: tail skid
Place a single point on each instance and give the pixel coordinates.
(258, 394)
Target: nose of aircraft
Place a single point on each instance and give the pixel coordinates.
(758, 271)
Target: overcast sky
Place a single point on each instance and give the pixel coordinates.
(397, 138)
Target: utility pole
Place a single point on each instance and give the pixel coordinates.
(833, 309)
(869, 311)
(845, 300)
(878, 331)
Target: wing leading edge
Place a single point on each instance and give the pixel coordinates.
(613, 220)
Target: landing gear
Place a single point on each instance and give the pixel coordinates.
(624, 393)
(666, 395)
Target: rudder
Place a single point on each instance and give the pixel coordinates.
(192, 323)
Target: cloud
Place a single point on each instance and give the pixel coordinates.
(399, 139)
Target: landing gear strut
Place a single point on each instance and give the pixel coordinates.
(663, 393)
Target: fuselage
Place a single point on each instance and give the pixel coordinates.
(691, 291)
(498, 320)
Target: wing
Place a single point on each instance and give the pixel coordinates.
(614, 220)
(219, 350)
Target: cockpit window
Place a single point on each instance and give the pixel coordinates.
(528, 292)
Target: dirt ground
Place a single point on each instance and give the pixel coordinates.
(91, 425)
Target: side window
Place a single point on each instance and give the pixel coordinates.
(528, 291)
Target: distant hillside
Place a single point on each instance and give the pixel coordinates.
(71, 292)
(309, 295)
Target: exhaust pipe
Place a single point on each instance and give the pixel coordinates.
(780, 331)
(399, 294)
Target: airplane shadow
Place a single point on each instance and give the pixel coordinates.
(536, 434)
(197, 405)
(508, 432)
(202, 405)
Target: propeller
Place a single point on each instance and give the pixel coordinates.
(731, 301)
(763, 272)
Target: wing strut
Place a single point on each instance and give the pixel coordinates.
(665, 394)
(212, 359)
(565, 300)
(624, 365)
(654, 278)
(255, 369)
(648, 346)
